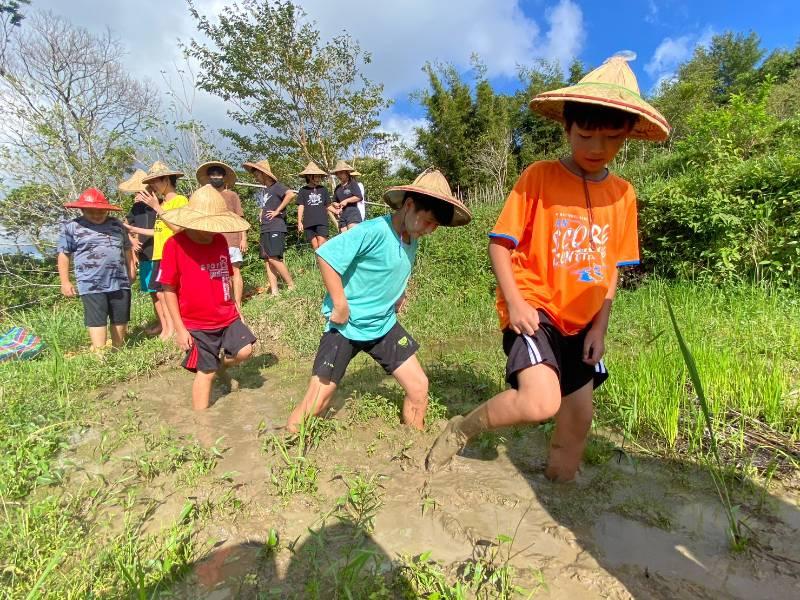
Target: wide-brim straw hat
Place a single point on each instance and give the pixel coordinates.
(355, 173)
(612, 84)
(92, 198)
(159, 169)
(433, 184)
(342, 167)
(133, 184)
(312, 168)
(263, 166)
(202, 173)
(206, 211)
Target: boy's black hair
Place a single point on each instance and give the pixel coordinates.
(215, 169)
(173, 180)
(594, 116)
(441, 211)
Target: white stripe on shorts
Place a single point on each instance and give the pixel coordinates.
(600, 367)
(533, 350)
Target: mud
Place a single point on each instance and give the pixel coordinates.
(639, 527)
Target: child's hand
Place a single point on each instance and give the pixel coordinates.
(299, 227)
(184, 339)
(68, 290)
(594, 346)
(400, 304)
(148, 198)
(523, 318)
(340, 314)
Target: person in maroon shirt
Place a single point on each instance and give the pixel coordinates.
(196, 274)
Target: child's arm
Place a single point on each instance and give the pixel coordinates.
(522, 317)
(594, 345)
(63, 274)
(139, 230)
(130, 259)
(333, 283)
(182, 335)
(300, 210)
(287, 198)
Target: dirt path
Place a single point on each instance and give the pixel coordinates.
(633, 526)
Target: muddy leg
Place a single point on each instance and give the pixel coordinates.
(573, 421)
(415, 383)
(201, 389)
(315, 402)
(118, 334)
(537, 399)
(229, 384)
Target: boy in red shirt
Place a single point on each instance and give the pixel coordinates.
(565, 229)
(196, 274)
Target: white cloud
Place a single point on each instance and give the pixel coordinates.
(400, 35)
(672, 52)
(652, 12)
(404, 127)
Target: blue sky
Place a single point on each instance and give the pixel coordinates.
(403, 34)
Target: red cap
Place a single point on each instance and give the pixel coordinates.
(92, 198)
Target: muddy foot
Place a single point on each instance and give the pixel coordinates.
(448, 444)
(226, 383)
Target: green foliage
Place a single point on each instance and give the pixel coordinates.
(302, 96)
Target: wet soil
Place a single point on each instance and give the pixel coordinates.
(633, 526)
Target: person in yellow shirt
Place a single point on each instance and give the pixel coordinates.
(161, 197)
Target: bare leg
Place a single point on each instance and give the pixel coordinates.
(415, 383)
(118, 333)
(201, 389)
(271, 278)
(238, 283)
(279, 268)
(573, 421)
(315, 402)
(98, 336)
(538, 398)
(241, 356)
(157, 308)
(167, 328)
(317, 241)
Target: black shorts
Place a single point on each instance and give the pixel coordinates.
(207, 343)
(103, 307)
(155, 285)
(272, 244)
(316, 230)
(351, 217)
(336, 351)
(562, 353)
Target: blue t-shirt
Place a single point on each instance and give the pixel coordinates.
(98, 254)
(375, 265)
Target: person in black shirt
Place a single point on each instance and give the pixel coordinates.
(346, 197)
(272, 201)
(313, 205)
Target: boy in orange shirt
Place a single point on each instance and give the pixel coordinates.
(565, 229)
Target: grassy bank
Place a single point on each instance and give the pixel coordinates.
(73, 541)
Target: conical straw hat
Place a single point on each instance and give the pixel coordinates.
(355, 173)
(133, 184)
(342, 166)
(612, 84)
(159, 169)
(263, 166)
(202, 173)
(433, 184)
(312, 169)
(206, 211)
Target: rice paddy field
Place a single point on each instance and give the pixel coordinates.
(112, 487)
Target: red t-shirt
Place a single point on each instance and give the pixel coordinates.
(201, 275)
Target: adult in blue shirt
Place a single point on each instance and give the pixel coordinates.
(365, 271)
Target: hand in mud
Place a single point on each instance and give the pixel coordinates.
(184, 339)
(340, 314)
(594, 346)
(68, 290)
(523, 318)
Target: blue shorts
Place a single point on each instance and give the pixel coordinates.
(147, 276)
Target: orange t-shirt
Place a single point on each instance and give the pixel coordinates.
(554, 264)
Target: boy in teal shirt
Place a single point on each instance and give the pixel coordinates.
(365, 271)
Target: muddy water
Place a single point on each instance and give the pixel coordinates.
(641, 529)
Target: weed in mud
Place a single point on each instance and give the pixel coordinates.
(599, 450)
(361, 503)
(368, 406)
(488, 441)
(646, 510)
(296, 473)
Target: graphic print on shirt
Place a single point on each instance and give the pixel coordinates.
(573, 249)
(219, 270)
(314, 199)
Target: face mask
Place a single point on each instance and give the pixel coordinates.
(217, 182)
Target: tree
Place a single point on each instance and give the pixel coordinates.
(10, 18)
(70, 115)
(300, 96)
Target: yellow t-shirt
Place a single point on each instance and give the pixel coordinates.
(161, 232)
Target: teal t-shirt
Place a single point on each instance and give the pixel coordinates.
(375, 265)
